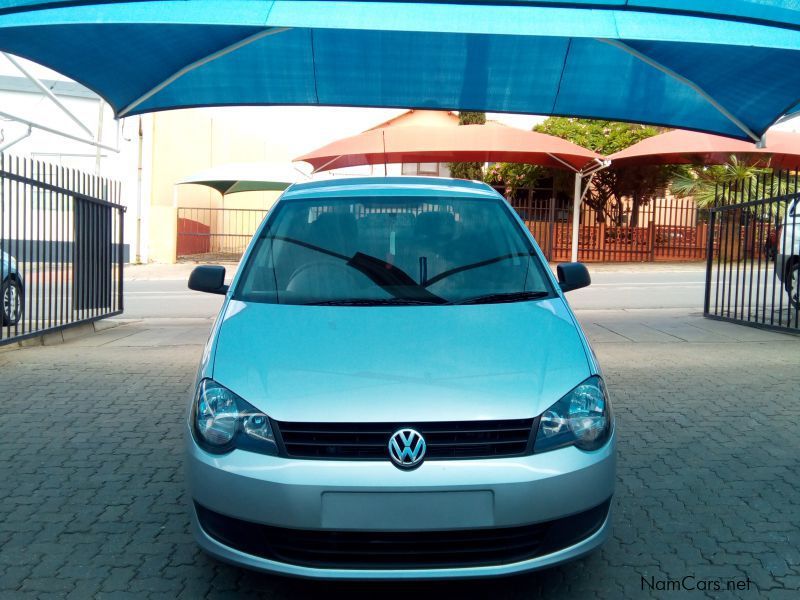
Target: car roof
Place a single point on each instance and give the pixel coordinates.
(390, 187)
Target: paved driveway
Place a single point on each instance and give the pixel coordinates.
(91, 492)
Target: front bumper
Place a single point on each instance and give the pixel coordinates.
(350, 498)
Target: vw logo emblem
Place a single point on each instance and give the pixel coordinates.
(407, 448)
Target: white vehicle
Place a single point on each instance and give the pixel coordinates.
(787, 259)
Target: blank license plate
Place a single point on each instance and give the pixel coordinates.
(398, 511)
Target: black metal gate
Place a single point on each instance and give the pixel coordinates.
(754, 253)
(61, 248)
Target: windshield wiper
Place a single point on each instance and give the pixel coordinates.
(477, 265)
(392, 279)
(385, 275)
(373, 302)
(500, 298)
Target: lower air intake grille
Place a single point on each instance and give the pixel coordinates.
(401, 549)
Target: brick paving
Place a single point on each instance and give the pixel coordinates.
(92, 494)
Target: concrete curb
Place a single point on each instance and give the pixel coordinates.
(53, 338)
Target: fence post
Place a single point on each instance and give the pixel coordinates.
(601, 241)
(701, 238)
(709, 261)
(651, 241)
(552, 217)
(121, 259)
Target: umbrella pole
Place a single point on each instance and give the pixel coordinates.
(576, 214)
(578, 199)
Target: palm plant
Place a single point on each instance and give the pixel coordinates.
(711, 185)
(734, 182)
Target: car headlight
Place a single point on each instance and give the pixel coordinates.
(222, 421)
(582, 419)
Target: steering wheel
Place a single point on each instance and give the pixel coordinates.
(336, 276)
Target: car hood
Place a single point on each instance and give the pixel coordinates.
(402, 363)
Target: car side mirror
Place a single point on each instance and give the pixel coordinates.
(572, 276)
(208, 278)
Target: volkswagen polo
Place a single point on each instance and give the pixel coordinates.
(395, 387)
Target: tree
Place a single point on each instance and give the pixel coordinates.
(641, 184)
(514, 176)
(468, 170)
(610, 186)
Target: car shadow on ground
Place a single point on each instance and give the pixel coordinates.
(553, 582)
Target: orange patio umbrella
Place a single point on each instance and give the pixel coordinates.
(782, 150)
(464, 143)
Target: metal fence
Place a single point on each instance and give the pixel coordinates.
(61, 248)
(754, 253)
(664, 229)
(216, 233)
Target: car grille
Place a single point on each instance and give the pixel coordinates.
(369, 441)
(401, 549)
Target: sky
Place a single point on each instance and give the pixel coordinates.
(292, 131)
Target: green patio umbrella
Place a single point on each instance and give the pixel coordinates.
(233, 178)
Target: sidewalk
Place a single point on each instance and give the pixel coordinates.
(646, 267)
(167, 272)
(668, 326)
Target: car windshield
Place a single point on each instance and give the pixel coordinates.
(367, 251)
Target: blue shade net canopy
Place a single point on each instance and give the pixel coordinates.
(731, 68)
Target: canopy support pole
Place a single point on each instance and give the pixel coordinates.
(6, 145)
(327, 164)
(48, 92)
(69, 136)
(385, 158)
(563, 162)
(686, 81)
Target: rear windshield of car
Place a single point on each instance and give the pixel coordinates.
(384, 250)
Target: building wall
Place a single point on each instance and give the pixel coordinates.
(185, 142)
(423, 118)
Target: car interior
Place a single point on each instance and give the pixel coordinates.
(307, 254)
